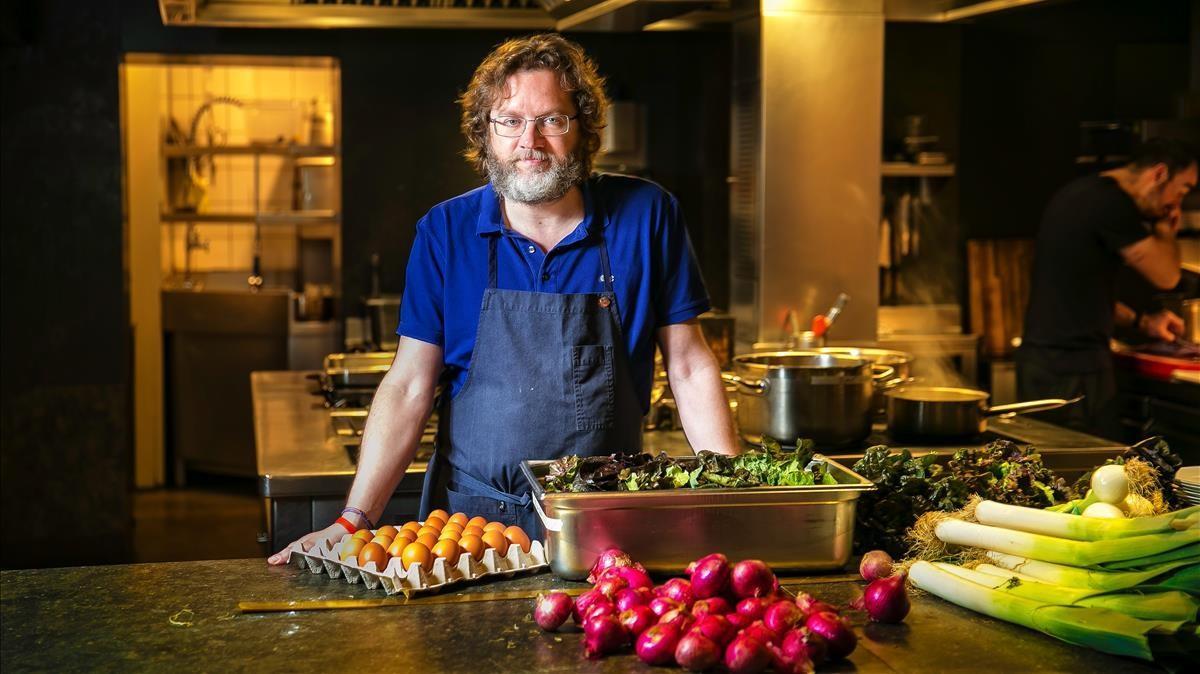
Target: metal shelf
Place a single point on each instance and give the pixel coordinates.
(899, 169)
(277, 218)
(275, 149)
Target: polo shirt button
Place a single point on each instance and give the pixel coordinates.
(532, 250)
(545, 277)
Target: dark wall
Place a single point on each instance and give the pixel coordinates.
(1030, 77)
(66, 457)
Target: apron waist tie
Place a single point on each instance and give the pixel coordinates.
(481, 488)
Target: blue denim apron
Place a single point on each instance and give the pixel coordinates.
(549, 376)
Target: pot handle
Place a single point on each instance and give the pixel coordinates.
(883, 376)
(752, 386)
(550, 523)
(1013, 409)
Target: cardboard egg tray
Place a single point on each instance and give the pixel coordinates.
(395, 578)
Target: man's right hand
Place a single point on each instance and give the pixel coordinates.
(1164, 325)
(331, 533)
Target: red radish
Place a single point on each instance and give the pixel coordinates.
(608, 559)
(634, 576)
(680, 590)
(739, 621)
(710, 576)
(661, 605)
(697, 652)
(800, 641)
(585, 602)
(602, 635)
(715, 627)
(656, 646)
(838, 635)
(760, 631)
(752, 578)
(637, 619)
(782, 663)
(609, 586)
(875, 564)
(809, 604)
(716, 605)
(782, 615)
(746, 655)
(754, 607)
(628, 597)
(886, 600)
(678, 617)
(552, 610)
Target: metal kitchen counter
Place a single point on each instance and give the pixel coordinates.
(184, 616)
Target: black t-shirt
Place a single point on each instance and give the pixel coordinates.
(1075, 268)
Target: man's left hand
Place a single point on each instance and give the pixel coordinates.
(1164, 325)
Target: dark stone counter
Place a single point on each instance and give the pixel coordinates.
(156, 617)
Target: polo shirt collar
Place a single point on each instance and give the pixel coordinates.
(491, 219)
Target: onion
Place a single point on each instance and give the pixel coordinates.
(839, 638)
(886, 600)
(678, 617)
(608, 559)
(697, 652)
(656, 646)
(759, 630)
(809, 604)
(691, 568)
(784, 663)
(801, 641)
(782, 615)
(715, 627)
(875, 564)
(710, 576)
(600, 608)
(552, 610)
(585, 602)
(627, 598)
(637, 619)
(680, 590)
(661, 605)
(752, 578)
(754, 607)
(716, 605)
(746, 655)
(634, 576)
(739, 621)
(602, 635)
(609, 586)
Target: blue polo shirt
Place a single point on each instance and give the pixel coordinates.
(656, 278)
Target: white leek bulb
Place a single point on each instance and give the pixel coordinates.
(1105, 510)
(1110, 484)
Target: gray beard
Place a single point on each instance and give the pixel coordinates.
(537, 188)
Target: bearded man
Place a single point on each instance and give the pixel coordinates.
(538, 300)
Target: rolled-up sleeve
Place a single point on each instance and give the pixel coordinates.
(679, 294)
(421, 308)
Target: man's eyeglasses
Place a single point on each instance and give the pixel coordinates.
(547, 125)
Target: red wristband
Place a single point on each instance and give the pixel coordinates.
(347, 525)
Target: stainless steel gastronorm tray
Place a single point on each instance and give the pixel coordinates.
(808, 528)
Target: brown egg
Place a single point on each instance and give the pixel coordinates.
(429, 530)
(473, 530)
(428, 540)
(448, 533)
(382, 540)
(460, 519)
(364, 535)
(495, 539)
(434, 522)
(351, 548)
(416, 553)
(495, 526)
(373, 552)
(473, 545)
(411, 526)
(453, 527)
(447, 549)
(407, 535)
(517, 536)
(477, 521)
(397, 547)
(440, 514)
(386, 530)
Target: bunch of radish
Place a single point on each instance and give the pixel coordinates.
(722, 614)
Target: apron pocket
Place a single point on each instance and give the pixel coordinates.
(592, 374)
(472, 505)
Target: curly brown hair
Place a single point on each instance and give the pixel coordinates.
(577, 75)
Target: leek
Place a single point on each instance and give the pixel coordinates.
(1154, 547)
(1188, 553)
(1081, 528)
(1139, 603)
(1186, 573)
(1098, 628)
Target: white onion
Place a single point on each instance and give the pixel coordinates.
(1105, 510)
(1109, 483)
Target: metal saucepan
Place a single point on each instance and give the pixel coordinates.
(947, 412)
(900, 361)
(789, 395)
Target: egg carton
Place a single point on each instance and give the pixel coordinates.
(394, 578)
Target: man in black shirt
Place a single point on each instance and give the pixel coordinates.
(1091, 227)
